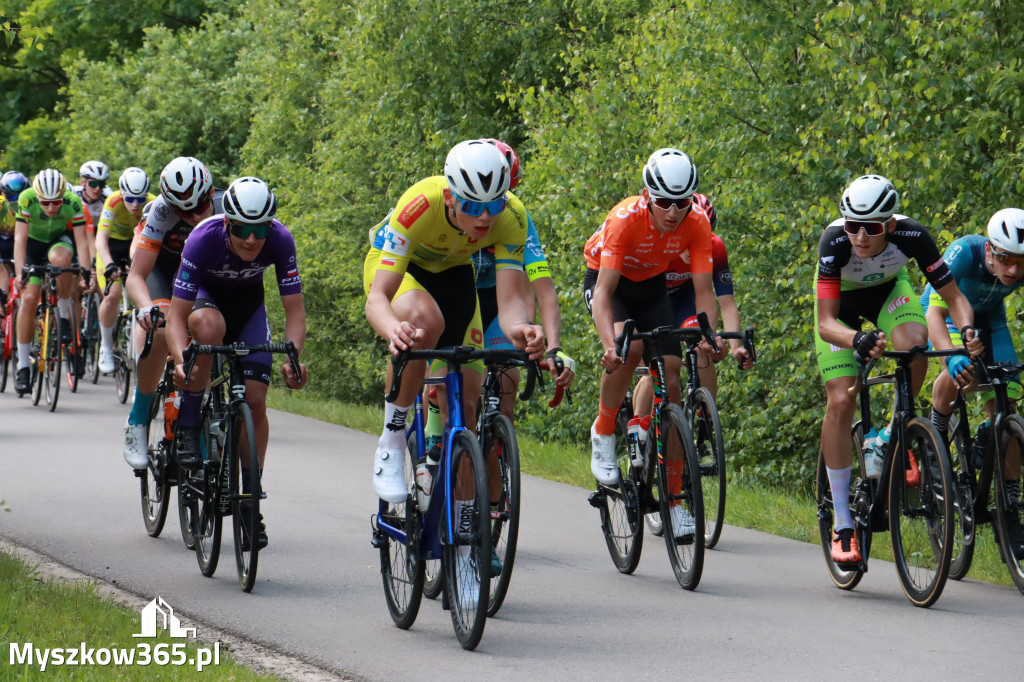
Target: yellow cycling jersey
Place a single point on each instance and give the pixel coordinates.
(419, 232)
(117, 219)
(7, 216)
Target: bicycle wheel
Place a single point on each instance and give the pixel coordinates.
(54, 350)
(921, 512)
(845, 579)
(1008, 503)
(620, 507)
(467, 540)
(400, 567)
(122, 376)
(91, 338)
(245, 507)
(707, 432)
(11, 342)
(679, 486)
(964, 525)
(433, 578)
(155, 489)
(188, 509)
(500, 442)
(4, 351)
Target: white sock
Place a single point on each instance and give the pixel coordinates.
(64, 308)
(839, 482)
(107, 337)
(394, 425)
(23, 352)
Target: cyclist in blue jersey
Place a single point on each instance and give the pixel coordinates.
(987, 270)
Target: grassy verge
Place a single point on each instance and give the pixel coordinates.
(54, 615)
(775, 511)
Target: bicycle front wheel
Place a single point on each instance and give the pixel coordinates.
(246, 519)
(921, 515)
(91, 338)
(433, 578)
(208, 521)
(681, 498)
(54, 350)
(500, 443)
(400, 567)
(5, 345)
(964, 525)
(467, 540)
(707, 433)
(620, 507)
(155, 489)
(1009, 505)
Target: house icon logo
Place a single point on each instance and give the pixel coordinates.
(159, 614)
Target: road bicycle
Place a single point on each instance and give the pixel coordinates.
(987, 471)
(9, 328)
(456, 525)
(913, 497)
(701, 411)
(124, 340)
(49, 350)
(228, 447)
(665, 474)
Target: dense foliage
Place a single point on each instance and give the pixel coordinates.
(342, 107)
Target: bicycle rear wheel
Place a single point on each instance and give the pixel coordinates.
(844, 578)
(433, 578)
(154, 487)
(4, 349)
(707, 432)
(1008, 503)
(122, 376)
(91, 338)
(921, 512)
(400, 567)
(964, 525)
(679, 486)
(500, 442)
(54, 351)
(620, 507)
(11, 341)
(209, 522)
(245, 507)
(467, 546)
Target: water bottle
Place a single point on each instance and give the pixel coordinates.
(979, 443)
(171, 404)
(636, 438)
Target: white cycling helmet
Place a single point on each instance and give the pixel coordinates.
(97, 170)
(477, 170)
(1006, 230)
(134, 182)
(185, 182)
(669, 173)
(249, 200)
(50, 185)
(870, 197)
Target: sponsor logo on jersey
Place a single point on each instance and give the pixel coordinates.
(896, 303)
(413, 210)
(294, 272)
(936, 265)
(907, 233)
(727, 276)
(476, 335)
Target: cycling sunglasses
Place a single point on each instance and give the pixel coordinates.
(664, 203)
(51, 202)
(133, 200)
(95, 184)
(873, 228)
(1008, 258)
(243, 230)
(475, 208)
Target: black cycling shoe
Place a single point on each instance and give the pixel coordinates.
(261, 538)
(65, 331)
(186, 442)
(21, 381)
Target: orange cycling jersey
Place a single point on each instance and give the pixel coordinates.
(627, 242)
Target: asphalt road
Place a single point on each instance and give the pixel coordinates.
(765, 608)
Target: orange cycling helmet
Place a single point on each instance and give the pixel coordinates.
(510, 157)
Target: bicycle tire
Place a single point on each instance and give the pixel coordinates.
(54, 351)
(467, 540)
(500, 434)
(122, 378)
(4, 349)
(964, 526)
(433, 578)
(70, 352)
(844, 579)
(11, 362)
(245, 508)
(188, 508)
(707, 434)
(401, 569)
(91, 339)
(154, 487)
(621, 512)
(1009, 516)
(208, 521)
(686, 553)
(921, 514)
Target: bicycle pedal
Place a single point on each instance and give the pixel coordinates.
(598, 499)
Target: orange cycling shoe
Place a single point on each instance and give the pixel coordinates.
(844, 547)
(913, 471)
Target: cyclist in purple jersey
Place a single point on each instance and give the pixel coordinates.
(218, 299)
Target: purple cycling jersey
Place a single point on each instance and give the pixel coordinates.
(207, 261)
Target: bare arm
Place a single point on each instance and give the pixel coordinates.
(294, 331)
(705, 297)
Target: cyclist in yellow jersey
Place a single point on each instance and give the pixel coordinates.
(121, 213)
(421, 292)
(12, 184)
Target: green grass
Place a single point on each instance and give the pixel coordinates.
(53, 614)
(779, 512)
